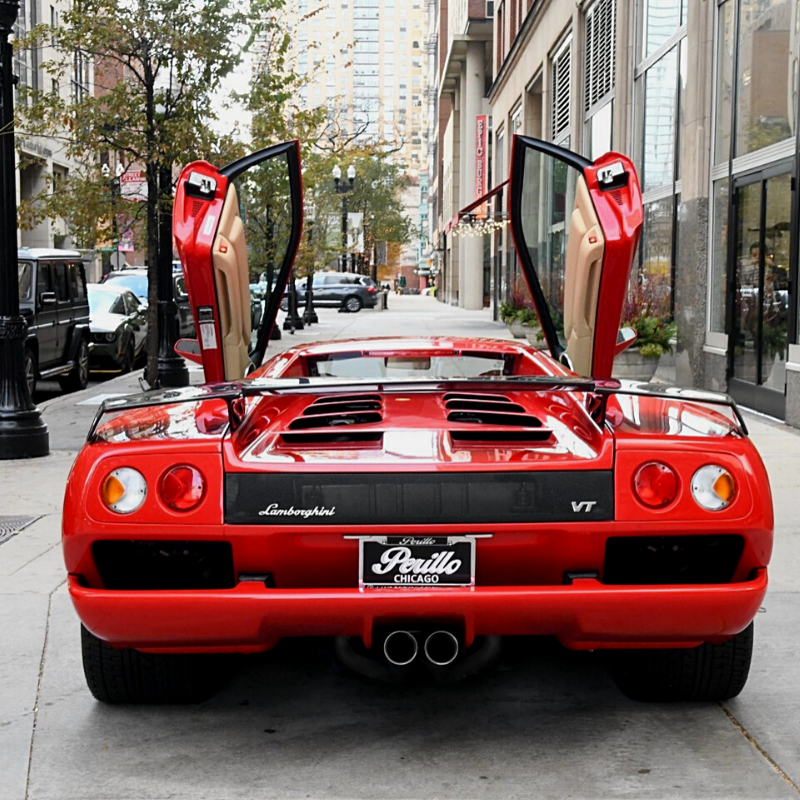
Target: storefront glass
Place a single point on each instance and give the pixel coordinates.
(661, 83)
(724, 91)
(662, 18)
(766, 74)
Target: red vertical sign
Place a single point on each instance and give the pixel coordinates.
(481, 161)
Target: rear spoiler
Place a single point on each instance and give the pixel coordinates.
(234, 393)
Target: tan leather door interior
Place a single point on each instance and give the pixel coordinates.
(232, 280)
(582, 269)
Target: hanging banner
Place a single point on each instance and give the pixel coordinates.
(133, 186)
(481, 161)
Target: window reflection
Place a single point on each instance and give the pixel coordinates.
(662, 18)
(719, 255)
(661, 82)
(767, 84)
(724, 94)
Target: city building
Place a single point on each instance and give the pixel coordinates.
(703, 97)
(43, 161)
(363, 61)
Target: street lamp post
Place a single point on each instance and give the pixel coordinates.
(309, 313)
(172, 370)
(23, 434)
(343, 189)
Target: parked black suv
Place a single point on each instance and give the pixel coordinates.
(346, 290)
(52, 298)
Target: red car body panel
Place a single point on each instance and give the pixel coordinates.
(560, 575)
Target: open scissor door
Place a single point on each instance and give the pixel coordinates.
(233, 224)
(576, 225)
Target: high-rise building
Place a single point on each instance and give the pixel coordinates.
(365, 62)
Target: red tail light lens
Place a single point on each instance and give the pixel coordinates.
(371, 289)
(182, 488)
(655, 484)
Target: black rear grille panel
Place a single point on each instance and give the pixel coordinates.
(494, 418)
(152, 565)
(692, 559)
(395, 498)
(336, 420)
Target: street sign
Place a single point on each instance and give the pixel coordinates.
(117, 260)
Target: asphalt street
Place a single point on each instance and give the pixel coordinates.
(546, 723)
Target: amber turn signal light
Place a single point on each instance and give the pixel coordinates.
(713, 487)
(182, 488)
(655, 484)
(124, 490)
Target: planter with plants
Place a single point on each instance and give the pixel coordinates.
(654, 335)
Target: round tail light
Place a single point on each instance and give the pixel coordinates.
(655, 484)
(124, 490)
(713, 487)
(182, 488)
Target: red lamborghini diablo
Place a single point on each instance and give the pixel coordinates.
(417, 499)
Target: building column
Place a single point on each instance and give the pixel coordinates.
(470, 262)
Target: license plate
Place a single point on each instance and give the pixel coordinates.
(416, 561)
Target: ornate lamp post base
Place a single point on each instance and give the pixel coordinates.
(23, 433)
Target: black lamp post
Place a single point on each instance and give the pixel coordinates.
(343, 189)
(309, 313)
(172, 369)
(23, 434)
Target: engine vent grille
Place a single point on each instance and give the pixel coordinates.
(339, 411)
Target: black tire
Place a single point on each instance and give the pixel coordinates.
(709, 672)
(353, 304)
(78, 378)
(128, 676)
(30, 370)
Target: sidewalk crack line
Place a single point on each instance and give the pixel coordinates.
(764, 754)
(38, 695)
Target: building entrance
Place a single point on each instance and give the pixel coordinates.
(758, 317)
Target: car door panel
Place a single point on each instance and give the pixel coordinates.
(575, 225)
(211, 230)
(46, 316)
(64, 309)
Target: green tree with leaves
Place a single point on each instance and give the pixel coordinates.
(157, 65)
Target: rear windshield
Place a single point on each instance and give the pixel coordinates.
(354, 365)
(136, 283)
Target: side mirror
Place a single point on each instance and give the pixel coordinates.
(625, 338)
(47, 298)
(189, 349)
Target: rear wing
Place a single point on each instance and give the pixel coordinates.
(235, 393)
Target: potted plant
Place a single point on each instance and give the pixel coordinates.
(647, 312)
(509, 315)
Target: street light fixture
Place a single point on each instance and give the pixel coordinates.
(23, 434)
(342, 189)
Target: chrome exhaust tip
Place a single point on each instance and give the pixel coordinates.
(441, 648)
(400, 648)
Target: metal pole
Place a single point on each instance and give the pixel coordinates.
(344, 229)
(310, 314)
(172, 369)
(23, 434)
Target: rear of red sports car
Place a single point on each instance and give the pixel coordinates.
(418, 500)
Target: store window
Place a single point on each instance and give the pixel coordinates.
(766, 101)
(599, 71)
(719, 256)
(723, 103)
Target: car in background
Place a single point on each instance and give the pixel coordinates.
(52, 299)
(135, 279)
(346, 290)
(118, 326)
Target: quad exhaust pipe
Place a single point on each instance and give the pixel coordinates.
(400, 648)
(440, 648)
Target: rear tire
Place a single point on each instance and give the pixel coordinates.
(78, 378)
(353, 304)
(128, 676)
(711, 672)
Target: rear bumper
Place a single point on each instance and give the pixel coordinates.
(584, 615)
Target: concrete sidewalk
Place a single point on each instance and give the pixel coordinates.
(290, 723)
